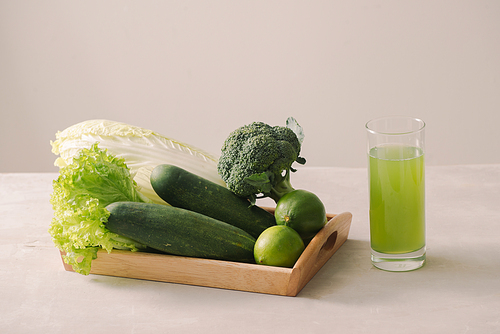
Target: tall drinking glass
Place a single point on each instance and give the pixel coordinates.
(397, 192)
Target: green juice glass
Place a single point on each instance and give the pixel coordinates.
(396, 172)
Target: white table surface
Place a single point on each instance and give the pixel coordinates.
(457, 291)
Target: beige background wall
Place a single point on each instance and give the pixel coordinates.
(196, 70)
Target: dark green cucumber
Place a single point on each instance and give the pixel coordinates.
(180, 232)
(186, 190)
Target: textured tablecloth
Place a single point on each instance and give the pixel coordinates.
(457, 291)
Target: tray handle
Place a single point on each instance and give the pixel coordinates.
(326, 242)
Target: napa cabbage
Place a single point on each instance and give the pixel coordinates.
(141, 149)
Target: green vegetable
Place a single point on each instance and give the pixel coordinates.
(256, 159)
(186, 190)
(83, 189)
(141, 149)
(180, 232)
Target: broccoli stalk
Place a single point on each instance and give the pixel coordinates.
(256, 159)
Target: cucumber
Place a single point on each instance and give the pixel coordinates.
(186, 190)
(180, 232)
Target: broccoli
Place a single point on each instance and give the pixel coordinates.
(256, 159)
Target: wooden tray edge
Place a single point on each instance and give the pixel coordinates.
(225, 274)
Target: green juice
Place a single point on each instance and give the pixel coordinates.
(397, 199)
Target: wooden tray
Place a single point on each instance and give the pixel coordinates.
(226, 274)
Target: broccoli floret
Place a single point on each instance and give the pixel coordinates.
(256, 159)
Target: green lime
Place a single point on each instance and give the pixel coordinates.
(301, 210)
(279, 246)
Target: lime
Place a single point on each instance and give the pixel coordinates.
(301, 210)
(279, 246)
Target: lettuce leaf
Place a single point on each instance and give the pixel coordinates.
(83, 189)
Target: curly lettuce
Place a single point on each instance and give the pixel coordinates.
(81, 192)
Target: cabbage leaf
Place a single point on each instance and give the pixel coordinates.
(141, 149)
